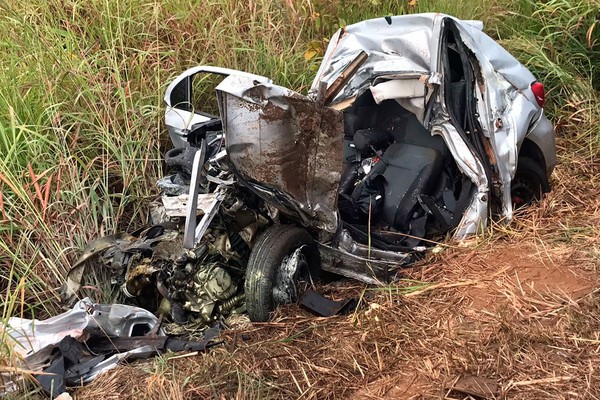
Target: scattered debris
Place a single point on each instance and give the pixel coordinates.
(74, 347)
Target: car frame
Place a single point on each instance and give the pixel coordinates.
(465, 103)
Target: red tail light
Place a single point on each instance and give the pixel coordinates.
(538, 91)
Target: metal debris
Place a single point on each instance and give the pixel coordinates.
(35, 341)
(74, 347)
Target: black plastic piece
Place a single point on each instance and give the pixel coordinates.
(182, 157)
(365, 139)
(53, 381)
(74, 373)
(321, 305)
(200, 130)
(76, 359)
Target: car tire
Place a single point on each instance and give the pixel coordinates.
(276, 244)
(529, 184)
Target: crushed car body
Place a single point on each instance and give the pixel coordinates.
(417, 63)
(415, 128)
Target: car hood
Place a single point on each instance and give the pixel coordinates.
(285, 145)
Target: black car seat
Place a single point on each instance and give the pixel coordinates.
(411, 171)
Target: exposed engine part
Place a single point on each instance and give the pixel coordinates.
(229, 305)
(285, 290)
(152, 269)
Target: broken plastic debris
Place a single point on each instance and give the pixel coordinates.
(321, 305)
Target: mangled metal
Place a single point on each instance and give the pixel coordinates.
(285, 145)
(34, 341)
(203, 282)
(73, 348)
(404, 52)
(413, 129)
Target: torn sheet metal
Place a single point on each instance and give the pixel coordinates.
(81, 362)
(93, 249)
(286, 142)
(73, 348)
(475, 216)
(35, 341)
(394, 44)
(435, 109)
(405, 43)
(64, 372)
(33, 336)
(115, 253)
(410, 44)
(153, 268)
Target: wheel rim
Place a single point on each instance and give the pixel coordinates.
(285, 289)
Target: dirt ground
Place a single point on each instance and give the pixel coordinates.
(511, 315)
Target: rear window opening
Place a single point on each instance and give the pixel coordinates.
(196, 93)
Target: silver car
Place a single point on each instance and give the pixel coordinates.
(415, 127)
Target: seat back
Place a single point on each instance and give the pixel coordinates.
(412, 170)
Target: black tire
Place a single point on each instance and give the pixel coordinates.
(266, 256)
(529, 184)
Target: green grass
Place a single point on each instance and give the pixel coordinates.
(81, 135)
(560, 41)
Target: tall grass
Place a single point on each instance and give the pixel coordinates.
(81, 132)
(81, 109)
(560, 41)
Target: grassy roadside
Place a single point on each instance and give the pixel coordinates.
(81, 104)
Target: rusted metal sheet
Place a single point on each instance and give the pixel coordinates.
(284, 141)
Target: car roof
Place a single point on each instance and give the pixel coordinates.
(407, 44)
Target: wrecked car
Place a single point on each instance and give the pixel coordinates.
(416, 128)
